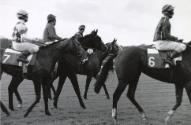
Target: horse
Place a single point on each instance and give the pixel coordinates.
(132, 61)
(69, 67)
(40, 73)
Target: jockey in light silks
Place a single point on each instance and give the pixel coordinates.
(20, 40)
(163, 38)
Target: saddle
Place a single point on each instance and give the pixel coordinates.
(157, 59)
(10, 57)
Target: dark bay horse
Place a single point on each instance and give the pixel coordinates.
(40, 73)
(69, 67)
(129, 64)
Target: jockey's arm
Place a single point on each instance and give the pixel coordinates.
(52, 34)
(166, 33)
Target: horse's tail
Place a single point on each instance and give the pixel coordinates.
(103, 75)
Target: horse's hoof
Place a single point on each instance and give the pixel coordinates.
(166, 120)
(55, 105)
(25, 115)
(83, 106)
(114, 119)
(7, 114)
(108, 97)
(19, 106)
(48, 113)
(11, 108)
(85, 97)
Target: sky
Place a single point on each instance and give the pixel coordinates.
(131, 22)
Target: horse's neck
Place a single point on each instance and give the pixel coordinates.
(50, 54)
(101, 55)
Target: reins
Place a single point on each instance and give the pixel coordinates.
(187, 45)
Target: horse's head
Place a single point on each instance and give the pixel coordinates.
(92, 40)
(112, 47)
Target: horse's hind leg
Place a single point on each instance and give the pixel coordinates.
(88, 80)
(59, 89)
(106, 92)
(18, 98)
(4, 109)
(46, 89)
(37, 87)
(131, 96)
(13, 88)
(179, 94)
(117, 94)
(188, 91)
(75, 85)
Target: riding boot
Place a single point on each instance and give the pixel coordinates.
(174, 54)
(23, 57)
(81, 52)
(170, 58)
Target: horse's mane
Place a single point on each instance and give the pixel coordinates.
(52, 44)
(189, 43)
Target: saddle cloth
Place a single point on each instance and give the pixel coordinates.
(10, 57)
(156, 59)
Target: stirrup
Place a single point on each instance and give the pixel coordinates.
(22, 60)
(84, 60)
(167, 65)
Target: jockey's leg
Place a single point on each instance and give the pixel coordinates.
(81, 52)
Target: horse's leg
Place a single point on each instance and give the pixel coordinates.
(4, 109)
(179, 93)
(117, 94)
(88, 80)
(59, 89)
(188, 91)
(106, 92)
(37, 87)
(19, 99)
(46, 89)
(131, 96)
(13, 88)
(54, 76)
(53, 89)
(75, 85)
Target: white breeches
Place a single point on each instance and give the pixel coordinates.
(25, 46)
(169, 45)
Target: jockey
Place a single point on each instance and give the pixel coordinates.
(163, 38)
(49, 31)
(20, 40)
(78, 36)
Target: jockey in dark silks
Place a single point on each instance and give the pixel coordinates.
(78, 36)
(163, 38)
(50, 35)
(49, 31)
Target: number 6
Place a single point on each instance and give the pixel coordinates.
(151, 61)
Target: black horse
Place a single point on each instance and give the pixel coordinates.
(40, 73)
(132, 61)
(69, 65)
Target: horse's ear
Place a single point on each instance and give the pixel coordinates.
(96, 31)
(114, 41)
(93, 32)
